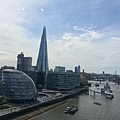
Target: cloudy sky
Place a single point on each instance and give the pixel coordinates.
(79, 32)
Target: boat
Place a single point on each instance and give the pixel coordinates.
(107, 91)
(71, 110)
(97, 85)
(107, 88)
(97, 103)
(109, 95)
(67, 109)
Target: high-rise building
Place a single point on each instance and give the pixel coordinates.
(20, 61)
(59, 69)
(77, 69)
(42, 61)
(23, 63)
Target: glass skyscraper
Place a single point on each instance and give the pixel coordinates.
(42, 61)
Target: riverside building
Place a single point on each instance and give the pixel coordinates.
(63, 81)
(18, 87)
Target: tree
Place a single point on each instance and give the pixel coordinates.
(39, 87)
(3, 99)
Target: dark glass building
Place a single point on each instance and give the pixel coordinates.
(64, 81)
(37, 76)
(42, 61)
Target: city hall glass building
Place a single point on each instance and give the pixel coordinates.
(18, 87)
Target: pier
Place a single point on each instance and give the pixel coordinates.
(94, 91)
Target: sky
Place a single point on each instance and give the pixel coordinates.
(79, 32)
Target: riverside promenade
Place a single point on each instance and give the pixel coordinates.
(38, 108)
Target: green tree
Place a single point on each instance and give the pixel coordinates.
(3, 99)
(39, 87)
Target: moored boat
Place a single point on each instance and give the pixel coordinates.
(71, 110)
(109, 95)
(67, 109)
(107, 91)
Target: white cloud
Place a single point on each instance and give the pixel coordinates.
(14, 37)
(23, 9)
(83, 29)
(20, 9)
(76, 28)
(80, 49)
(94, 50)
(42, 9)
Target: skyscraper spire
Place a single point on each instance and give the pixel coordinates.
(42, 61)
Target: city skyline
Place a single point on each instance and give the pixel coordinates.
(84, 33)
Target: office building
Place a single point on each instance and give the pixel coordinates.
(77, 69)
(18, 87)
(24, 63)
(69, 70)
(59, 69)
(42, 61)
(64, 81)
(37, 76)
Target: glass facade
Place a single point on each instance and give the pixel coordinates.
(42, 61)
(18, 86)
(63, 81)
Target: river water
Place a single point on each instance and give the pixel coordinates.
(87, 110)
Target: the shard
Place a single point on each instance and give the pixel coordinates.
(42, 61)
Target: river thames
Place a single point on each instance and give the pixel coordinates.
(87, 110)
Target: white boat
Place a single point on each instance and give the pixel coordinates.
(107, 88)
(109, 95)
(107, 91)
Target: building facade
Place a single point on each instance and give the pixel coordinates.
(37, 76)
(63, 81)
(42, 61)
(18, 87)
(24, 63)
(77, 69)
(59, 69)
(1, 82)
